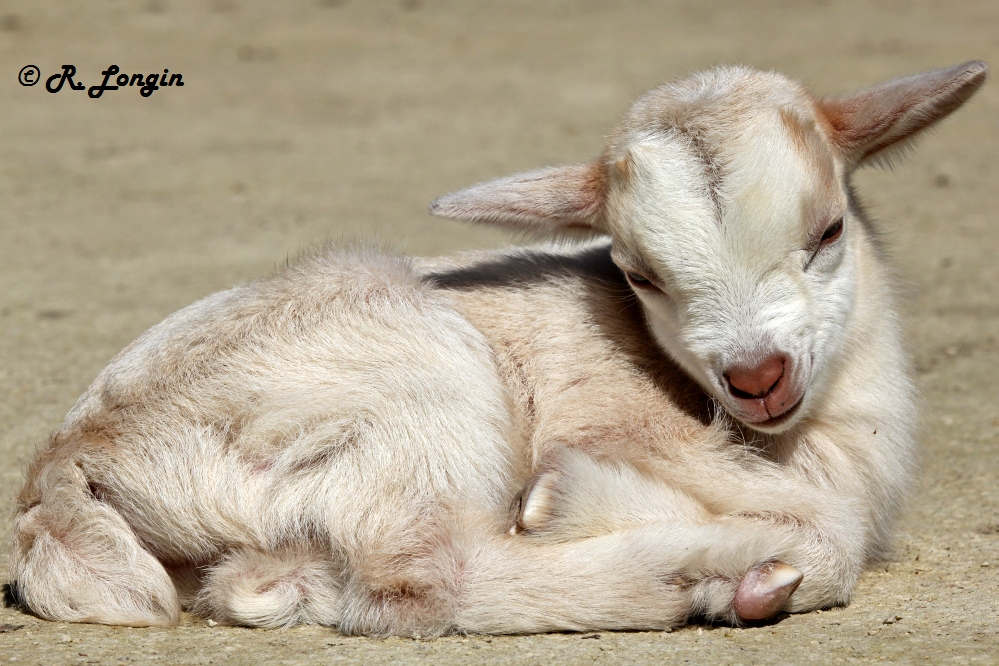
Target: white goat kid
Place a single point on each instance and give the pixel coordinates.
(340, 443)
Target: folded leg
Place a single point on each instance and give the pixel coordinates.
(575, 496)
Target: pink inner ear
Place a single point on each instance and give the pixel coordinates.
(873, 120)
(866, 124)
(852, 122)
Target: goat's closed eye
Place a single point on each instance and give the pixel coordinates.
(832, 233)
(640, 281)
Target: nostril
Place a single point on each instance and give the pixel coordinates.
(758, 381)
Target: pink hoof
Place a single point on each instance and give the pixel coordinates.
(764, 590)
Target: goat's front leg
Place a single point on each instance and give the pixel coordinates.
(799, 529)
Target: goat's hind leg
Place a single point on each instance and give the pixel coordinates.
(76, 559)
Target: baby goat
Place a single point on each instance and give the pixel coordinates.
(704, 412)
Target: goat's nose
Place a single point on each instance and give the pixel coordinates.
(759, 381)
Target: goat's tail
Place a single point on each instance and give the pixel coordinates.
(76, 559)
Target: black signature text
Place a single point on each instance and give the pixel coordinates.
(114, 79)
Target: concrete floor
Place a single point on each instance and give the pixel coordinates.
(307, 120)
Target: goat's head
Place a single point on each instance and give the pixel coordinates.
(726, 196)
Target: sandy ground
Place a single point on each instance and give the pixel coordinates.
(306, 120)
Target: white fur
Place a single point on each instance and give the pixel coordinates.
(338, 444)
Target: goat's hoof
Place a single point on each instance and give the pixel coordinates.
(532, 508)
(764, 590)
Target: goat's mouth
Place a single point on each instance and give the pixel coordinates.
(761, 414)
(782, 417)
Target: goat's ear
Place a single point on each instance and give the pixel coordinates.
(556, 201)
(879, 123)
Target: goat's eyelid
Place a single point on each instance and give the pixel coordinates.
(833, 231)
(830, 234)
(639, 281)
